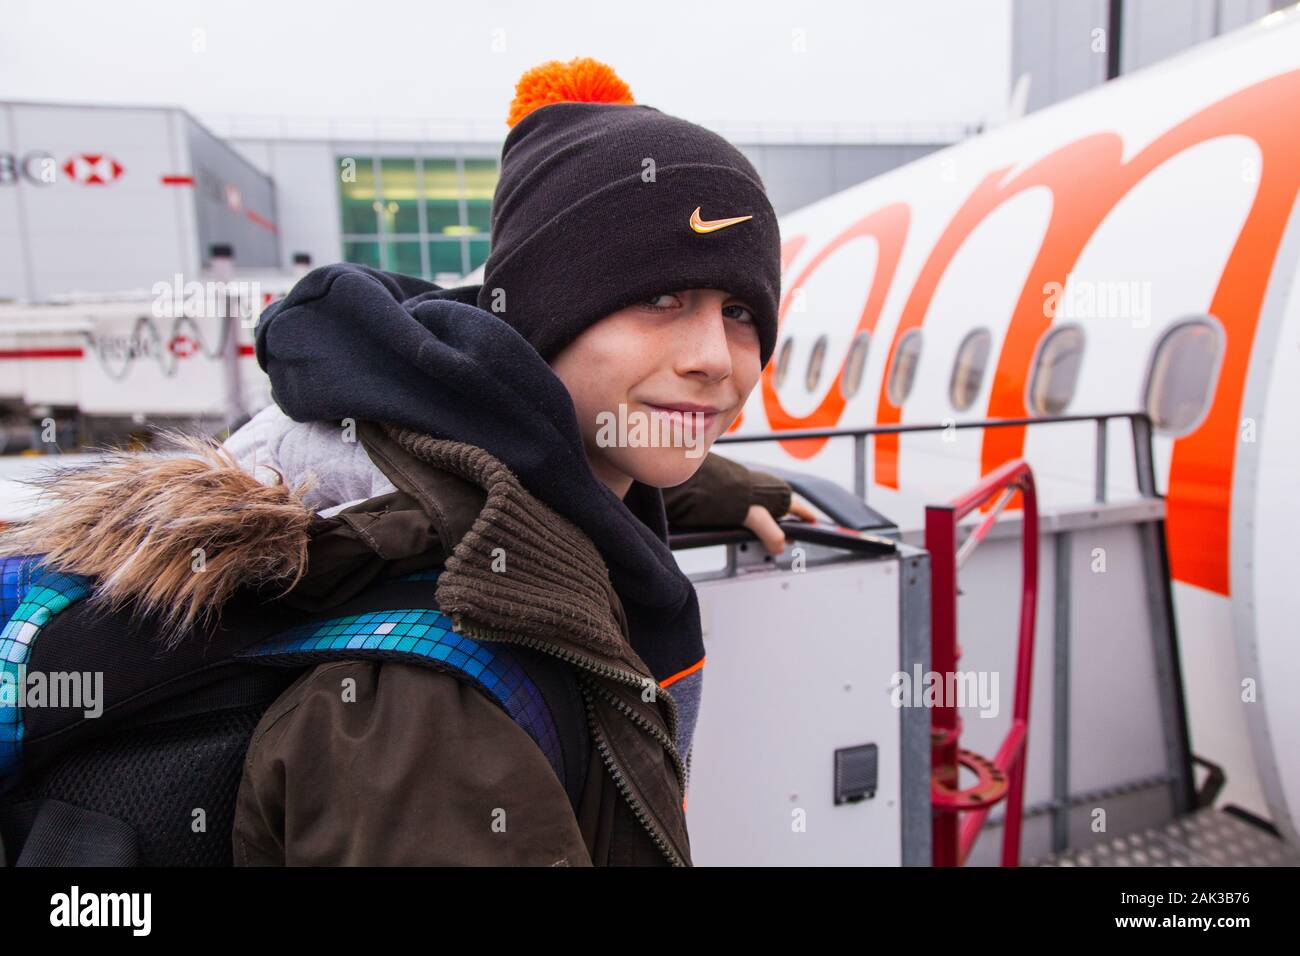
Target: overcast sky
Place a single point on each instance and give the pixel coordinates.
(770, 61)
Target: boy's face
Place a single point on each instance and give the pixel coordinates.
(694, 349)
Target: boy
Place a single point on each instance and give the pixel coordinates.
(639, 257)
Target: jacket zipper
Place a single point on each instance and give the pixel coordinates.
(602, 747)
(624, 676)
(648, 727)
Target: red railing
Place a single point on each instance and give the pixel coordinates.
(1004, 775)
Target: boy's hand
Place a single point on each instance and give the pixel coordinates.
(760, 521)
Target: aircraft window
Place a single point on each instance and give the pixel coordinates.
(1183, 374)
(903, 373)
(814, 373)
(782, 363)
(851, 380)
(1056, 370)
(968, 369)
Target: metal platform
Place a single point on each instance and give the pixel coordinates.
(1207, 837)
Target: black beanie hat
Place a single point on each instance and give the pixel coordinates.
(603, 203)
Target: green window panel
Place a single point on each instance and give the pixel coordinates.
(362, 253)
(400, 197)
(478, 253)
(382, 198)
(445, 256)
(404, 257)
(442, 194)
(358, 198)
(480, 183)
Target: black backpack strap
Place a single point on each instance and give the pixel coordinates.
(54, 833)
(559, 687)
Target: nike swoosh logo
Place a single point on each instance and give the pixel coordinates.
(713, 225)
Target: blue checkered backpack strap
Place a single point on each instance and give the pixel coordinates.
(31, 594)
(527, 684)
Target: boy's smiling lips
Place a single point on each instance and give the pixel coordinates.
(684, 407)
(686, 412)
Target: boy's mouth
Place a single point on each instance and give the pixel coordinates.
(687, 413)
(684, 407)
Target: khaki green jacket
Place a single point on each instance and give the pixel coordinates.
(412, 766)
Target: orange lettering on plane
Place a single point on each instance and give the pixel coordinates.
(1087, 178)
(888, 226)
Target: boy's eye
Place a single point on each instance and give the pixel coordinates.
(748, 317)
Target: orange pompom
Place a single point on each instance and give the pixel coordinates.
(581, 80)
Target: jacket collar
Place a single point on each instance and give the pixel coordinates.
(511, 562)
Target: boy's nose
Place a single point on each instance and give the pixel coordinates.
(704, 349)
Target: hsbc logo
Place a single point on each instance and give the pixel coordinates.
(93, 169)
(40, 168)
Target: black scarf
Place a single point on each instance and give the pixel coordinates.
(350, 341)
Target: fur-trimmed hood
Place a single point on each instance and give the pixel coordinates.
(175, 532)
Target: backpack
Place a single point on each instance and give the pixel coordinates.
(152, 778)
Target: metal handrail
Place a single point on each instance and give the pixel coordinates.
(1139, 424)
(1004, 776)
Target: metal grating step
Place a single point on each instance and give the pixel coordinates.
(1207, 837)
